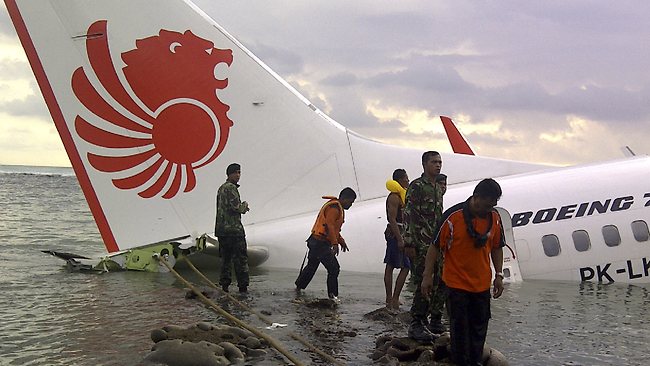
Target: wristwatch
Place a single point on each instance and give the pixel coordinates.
(499, 274)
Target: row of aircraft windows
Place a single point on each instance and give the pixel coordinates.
(582, 243)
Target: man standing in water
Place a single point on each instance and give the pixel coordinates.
(421, 215)
(324, 241)
(470, 235)
(230, 231)
(395, 257)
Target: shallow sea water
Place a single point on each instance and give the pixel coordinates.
(53, 317)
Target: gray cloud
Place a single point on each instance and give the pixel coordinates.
(342, 79)
(530, 65)
(32, 105)
(282, 61)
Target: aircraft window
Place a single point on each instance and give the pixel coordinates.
(551, 245)
(640, 230)
(581, 240)
(611, 235)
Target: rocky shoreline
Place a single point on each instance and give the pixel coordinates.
(205, 344)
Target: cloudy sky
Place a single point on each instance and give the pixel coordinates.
(560, 82)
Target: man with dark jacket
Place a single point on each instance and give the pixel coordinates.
(422, 212)
(230, 231)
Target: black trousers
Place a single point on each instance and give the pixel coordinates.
(320, 251)
(469, 314)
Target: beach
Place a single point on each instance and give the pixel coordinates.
(54, 317)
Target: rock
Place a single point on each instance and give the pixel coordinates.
(495, 358)
(377, 354)
(232, 353)
(402, 354)
(426, 356)
(158, 335)
(254, 353)
(441, 346)
(176, 352)
(214, 345)
(404, 349)
(172, 328)
(242, 333)
(252, 342)
(388, 360)
(204, 326)
(382, 339)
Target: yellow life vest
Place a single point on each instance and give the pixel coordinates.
(395, 187)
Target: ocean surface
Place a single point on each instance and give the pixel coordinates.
(49, 316)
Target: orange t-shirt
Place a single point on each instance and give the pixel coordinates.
(467, 267)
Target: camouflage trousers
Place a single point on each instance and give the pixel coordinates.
(433, 305)
(233, 254)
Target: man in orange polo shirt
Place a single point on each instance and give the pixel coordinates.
(470, 235)
(324, 241)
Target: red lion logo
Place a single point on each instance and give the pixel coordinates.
(155, 142)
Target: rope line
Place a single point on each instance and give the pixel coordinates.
(272, 341)
(268, 321)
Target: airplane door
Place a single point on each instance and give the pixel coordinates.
(511, 271)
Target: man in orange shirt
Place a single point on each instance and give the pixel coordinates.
(324, 241)
(470, 235)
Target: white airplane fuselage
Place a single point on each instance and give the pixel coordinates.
(550, 205)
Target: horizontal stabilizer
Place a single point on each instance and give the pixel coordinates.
(63, 255)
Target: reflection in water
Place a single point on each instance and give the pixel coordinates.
(558, 323)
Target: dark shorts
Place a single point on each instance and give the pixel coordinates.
(394, 257)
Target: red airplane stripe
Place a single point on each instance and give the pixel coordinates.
(100, 59)
(191, 179)
(99, 137)
(139, 179)
(159, 184)
(113, 164)
(89, 97)
(176, 184)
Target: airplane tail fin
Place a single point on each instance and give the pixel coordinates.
(458, 142)
(152, 106)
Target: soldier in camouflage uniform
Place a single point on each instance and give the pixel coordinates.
(230, 231)
(421, 215)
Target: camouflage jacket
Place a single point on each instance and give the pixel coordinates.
(229, 211)
(422, 211)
